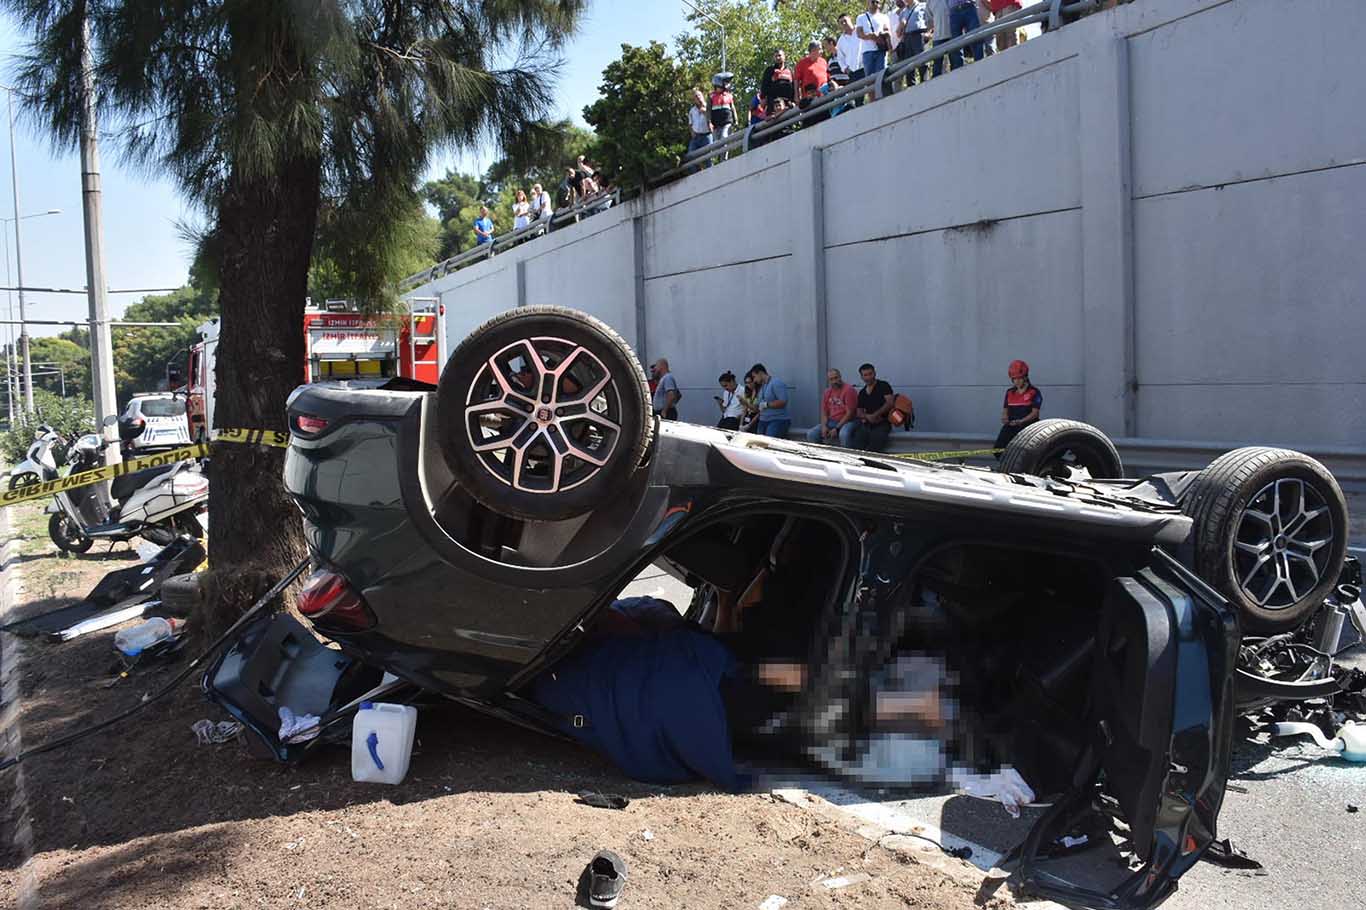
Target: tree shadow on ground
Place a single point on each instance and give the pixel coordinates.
(148, 777)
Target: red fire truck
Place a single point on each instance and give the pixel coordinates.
(340, 344)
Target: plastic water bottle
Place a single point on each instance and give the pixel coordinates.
(132, 642)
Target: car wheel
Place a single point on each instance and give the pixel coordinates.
(543, 413)
(25, 479)
(67, 535)
(1062, 449)
(1270, 534)
(181, 594)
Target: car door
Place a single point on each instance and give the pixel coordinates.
(1164, 715)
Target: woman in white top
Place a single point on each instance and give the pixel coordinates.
(521, 211)
(732, 406)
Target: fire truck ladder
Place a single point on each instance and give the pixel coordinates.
(428, 308)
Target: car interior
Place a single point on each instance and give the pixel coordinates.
(1014, 629)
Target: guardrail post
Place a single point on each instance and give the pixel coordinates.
(1107, 237)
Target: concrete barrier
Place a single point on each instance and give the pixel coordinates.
(1158, 207)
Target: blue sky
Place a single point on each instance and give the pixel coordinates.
(143, 248)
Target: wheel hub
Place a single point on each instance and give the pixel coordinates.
(543, 415)
(1283, 543)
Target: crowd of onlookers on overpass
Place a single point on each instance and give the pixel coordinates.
(886, 31)
(883, 33)
(582, 191)
(852, 417)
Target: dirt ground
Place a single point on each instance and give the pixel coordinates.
(141, 816)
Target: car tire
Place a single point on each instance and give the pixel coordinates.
(531, 446)
(66, 535)
(24, 479)
(1052, 448)
(1270, 534)
(181, 595)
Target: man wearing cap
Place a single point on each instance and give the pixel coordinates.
(1022, 404)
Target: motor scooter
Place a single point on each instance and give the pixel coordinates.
(156, 503)
(45, 455)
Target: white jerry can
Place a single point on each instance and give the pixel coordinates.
(382, 742)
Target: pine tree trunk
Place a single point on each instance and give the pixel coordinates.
(265, 242)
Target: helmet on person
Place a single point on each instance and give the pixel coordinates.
(1018, 369)
(722, 80)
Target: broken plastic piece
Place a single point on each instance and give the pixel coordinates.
(298, 728)
(207, 732)
(1005, 786)
(1350, 742)
(603, 800)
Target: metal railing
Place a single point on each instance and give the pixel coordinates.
(479, 252)
(879, 84)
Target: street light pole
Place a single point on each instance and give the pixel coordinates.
(19, 262)
(714, 21)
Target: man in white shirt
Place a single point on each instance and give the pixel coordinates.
(848, 50)
(541, 206)
(699, 123)
(874, 30)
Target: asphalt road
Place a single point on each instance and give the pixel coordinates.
(1286, 808)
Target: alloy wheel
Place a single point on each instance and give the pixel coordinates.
(543, 415)
(1283, 543)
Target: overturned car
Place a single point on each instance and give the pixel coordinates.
(467, 537)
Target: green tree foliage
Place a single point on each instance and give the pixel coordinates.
(450, 196)
(68, 416)
(264, 112)
(417, 245)
(755, 29)
(541, 155)
(640, 116)
(142, 353)
(69, 357)
(546, 152)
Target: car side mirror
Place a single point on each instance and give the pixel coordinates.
(174, 378)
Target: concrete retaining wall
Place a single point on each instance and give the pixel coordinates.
(1160, 208)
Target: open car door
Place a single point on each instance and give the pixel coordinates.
(1163, 720)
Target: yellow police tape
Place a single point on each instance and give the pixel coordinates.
(272, 438)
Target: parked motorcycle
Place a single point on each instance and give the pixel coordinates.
(44, 457)
(156, 504)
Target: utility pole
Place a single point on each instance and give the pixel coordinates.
(101, 344)
(19, 263)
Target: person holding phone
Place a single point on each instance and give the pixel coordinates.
(731, 405)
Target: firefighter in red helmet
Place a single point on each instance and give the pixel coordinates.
(1022, 404)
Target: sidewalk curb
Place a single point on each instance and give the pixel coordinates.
(26, 890)
(990, 887)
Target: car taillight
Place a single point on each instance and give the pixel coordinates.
(307, 423)
(329, 601)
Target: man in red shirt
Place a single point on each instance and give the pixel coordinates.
(999, 10)
(838, 406)
(811, 74)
